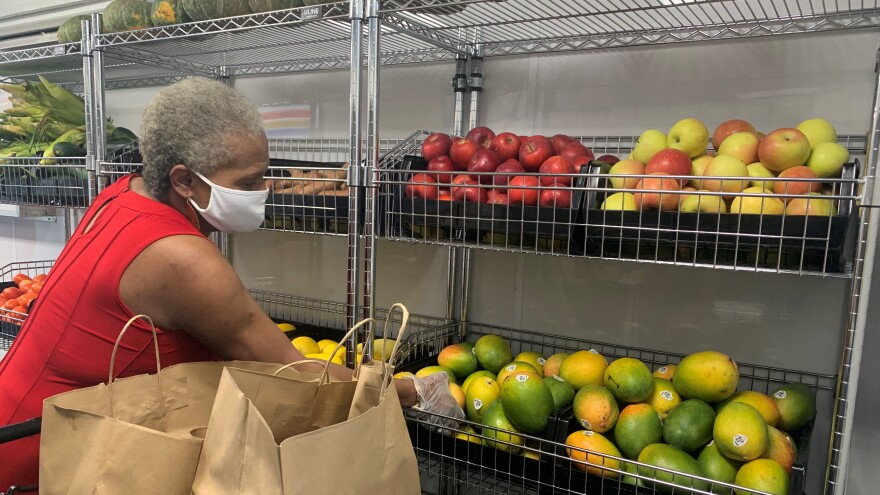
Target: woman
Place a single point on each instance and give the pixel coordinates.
(141, 248)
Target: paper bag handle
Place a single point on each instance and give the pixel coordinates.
(404, 321)
(325, 375)
(110, 379)
(291, 365)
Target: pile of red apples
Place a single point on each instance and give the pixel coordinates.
(505, 169)
(674, 171)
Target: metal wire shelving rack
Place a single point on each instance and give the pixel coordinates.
(11, 321)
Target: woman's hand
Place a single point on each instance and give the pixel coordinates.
(435, 399)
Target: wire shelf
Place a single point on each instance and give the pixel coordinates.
(426, 335)
(60, 63)
(63, 182)
(516, 27)
(11, 321)
(570, 221)
(293, 40)
(543, 464)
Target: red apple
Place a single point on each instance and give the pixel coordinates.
(575, 150)
(442, 164)
(579, 161)
(511, 168)
(665, 198)
(484, 160)
(470, 193)
(553, 166)
(727, 128)
(534, 152)
(422, 186)
(507, 145)
(497, 197)
(671, 162)
(560, 141)
(783, 149)
(444, 195)
(462, 151)
(522, 139)
(555, 198)
(482, 135)
(796, 187)
(608, 159)
(435, 145)
(518, 195)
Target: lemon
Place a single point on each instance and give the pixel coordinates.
(286, 327)
(306, 345)
(327, 345)
(403, 374)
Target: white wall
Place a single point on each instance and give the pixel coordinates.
(783, 320)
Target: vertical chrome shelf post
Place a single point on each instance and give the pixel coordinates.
(355, 176)
(857, 320)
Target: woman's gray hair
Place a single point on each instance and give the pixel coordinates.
(189, 123)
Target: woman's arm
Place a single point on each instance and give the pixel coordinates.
(183, 283)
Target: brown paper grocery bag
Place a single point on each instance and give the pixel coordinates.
(274, 435)
(141, 434)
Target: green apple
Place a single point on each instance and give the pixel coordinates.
(649, 143)
(690, 136)
(693, 203)
(811, 204)
(827, 159)
(623, 168)
(742, 145)
(818, 131)
(721, 175)
(622, 201)
(757, 205)
(698, 167)
(758, 170)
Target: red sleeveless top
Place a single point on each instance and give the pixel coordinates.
(67, 339)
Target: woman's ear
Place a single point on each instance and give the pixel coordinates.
(182, 181)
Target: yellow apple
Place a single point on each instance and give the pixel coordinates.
(827, 159)
(723, 167)
(693, 203)
(649, 143)
(818, 131)
(622, 201)
(758, 170)
(690, 136)
(810, 205)
(757, 205)
(741, 145)
(698, 167)
(626, 167)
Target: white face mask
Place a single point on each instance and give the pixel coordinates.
(233, 210)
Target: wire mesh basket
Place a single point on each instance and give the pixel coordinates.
(12, 321)
(543, 464)
(726, 224)
(61, 182)
(426, 335)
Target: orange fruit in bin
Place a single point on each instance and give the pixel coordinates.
(19, 277)
(37, 287)
(25, 285)
(40, 278)
(11, 293)
(10, 304)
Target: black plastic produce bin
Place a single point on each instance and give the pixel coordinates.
(771, 241)
(312, 213)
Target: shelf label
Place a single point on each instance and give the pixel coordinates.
(57, 50)
(312, 13)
